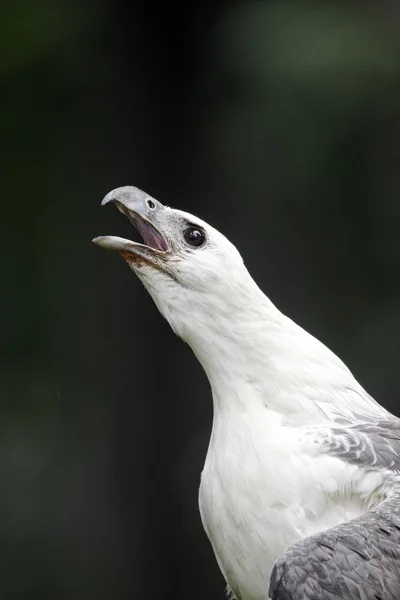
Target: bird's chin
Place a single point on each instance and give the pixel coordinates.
(136, 255)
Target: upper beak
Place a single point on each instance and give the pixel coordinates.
(142, 211)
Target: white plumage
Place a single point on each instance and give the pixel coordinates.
(265, 485)
(297, 445)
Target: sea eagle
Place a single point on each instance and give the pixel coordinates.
(300, 492)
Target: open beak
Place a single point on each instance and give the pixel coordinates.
(140, 210)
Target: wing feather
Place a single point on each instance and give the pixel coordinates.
(372, 445)
(360, 559)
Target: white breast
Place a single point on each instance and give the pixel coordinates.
(261, 492)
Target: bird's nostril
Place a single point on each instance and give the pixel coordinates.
(150, 203)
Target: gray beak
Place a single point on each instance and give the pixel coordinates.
(141, 209)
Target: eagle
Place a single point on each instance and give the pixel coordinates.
(300, 491)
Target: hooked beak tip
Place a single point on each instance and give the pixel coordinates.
(108, 198)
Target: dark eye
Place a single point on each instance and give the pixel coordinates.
(194, 236)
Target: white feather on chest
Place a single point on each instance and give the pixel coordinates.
(262, 489)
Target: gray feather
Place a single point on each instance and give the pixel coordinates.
(360, 559)
(372, 445)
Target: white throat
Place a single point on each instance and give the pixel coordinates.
(253, 354)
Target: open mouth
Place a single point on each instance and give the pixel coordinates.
(150, 234)
(154, 241)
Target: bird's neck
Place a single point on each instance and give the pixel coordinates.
(237, 345)
(253, 354)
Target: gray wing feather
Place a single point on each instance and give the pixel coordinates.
(360, 559)
(372, 445)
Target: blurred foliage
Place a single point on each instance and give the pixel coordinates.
(276, 121)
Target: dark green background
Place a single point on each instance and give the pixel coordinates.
(278, 122)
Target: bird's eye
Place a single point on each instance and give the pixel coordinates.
(194, 236)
